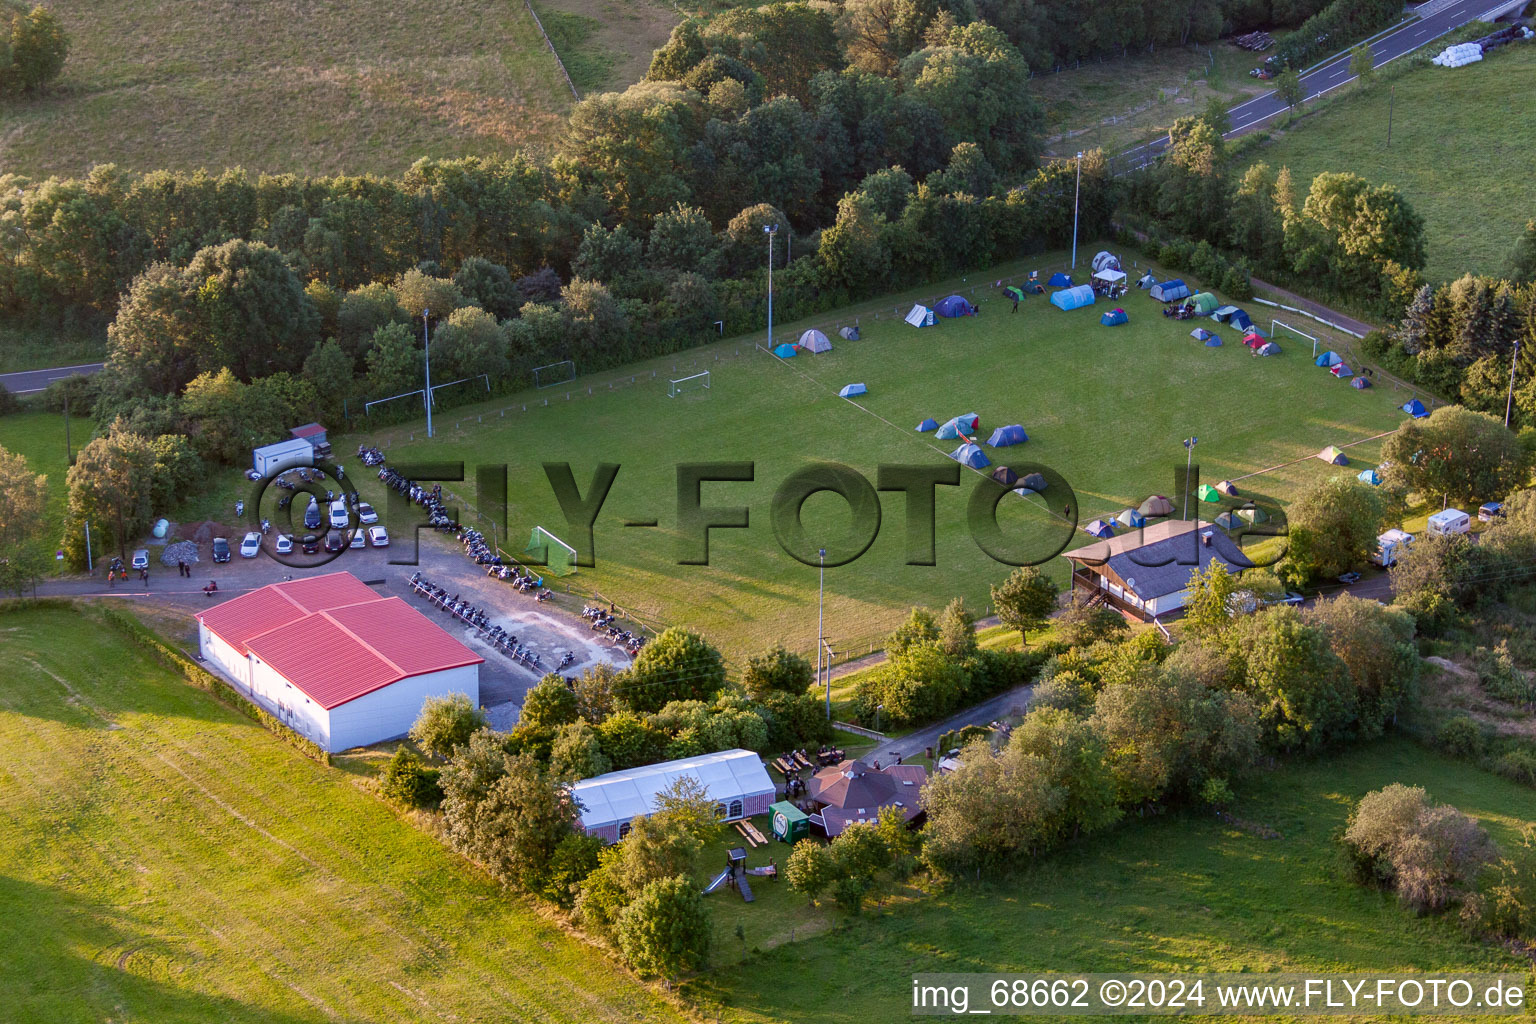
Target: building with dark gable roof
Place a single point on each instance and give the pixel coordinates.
(1145, 573)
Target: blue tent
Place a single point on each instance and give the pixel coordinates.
(967, 424)
(849, 390)
(1073, 298)
(1170, 291)
(1370, 476)
(1416, 409)
(1360, 383)
(954, 305)
(1131, 519)
(1101, 528)
(1200, 334)
(1329, 358)
(928, 424)
(1269, 348)
(785, 351)
(1213, 342)
(1114, 318)
(1060, 280)
(971, 455)
(1241, 320)
(1002, 437)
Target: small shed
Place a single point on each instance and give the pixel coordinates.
(790, 823)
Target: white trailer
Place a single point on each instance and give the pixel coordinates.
(1391, 546)
(1452, 520)
(274, 458)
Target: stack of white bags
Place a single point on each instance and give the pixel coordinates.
(1459, 55)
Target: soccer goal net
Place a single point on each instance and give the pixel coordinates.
(1281, 325)
(554, 373)
(556, 555)
(692, 382)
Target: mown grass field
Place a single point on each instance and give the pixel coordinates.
(39, 438)
(1183, 892)
(1106, 407)
(1462, 139)
(606, 45)
(166, 859)
(349, 87)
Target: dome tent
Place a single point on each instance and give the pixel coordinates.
(850, 390)
(1333, 456)
(849, 333)
(971, 455)
(1213, 342)
(1201, 334)
(1329, 358)
(1060, 280)
(1228, 488)
(1341, 371)
(1131, 519)
(1032, 482)
(1253, 514)
(1205, 304)
(1156, 506)
(1146, 280)
(1015, 293)
(1415, 409)
(1229, 521)
(968, 424)
(1209, 493)
(1106, 260)
(1360, 383)
(1002, 437)
(814, 341)
(928, 424)
(954, 305)
(1101, 528)
(1005, 476)
(1269, 348)
(1370, 476)
(784, 351)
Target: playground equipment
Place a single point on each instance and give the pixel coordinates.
(734, 875)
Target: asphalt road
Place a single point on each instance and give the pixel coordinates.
(1253, 114)
(28, 381)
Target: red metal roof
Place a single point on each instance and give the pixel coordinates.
(335, 639)
(307, 430)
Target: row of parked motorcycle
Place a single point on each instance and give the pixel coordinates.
(477, 619)
(601, 620)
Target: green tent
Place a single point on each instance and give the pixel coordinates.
(1205, 304)
(1016, 294)
(1209, 493)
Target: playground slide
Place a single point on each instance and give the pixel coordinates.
(720, 880)
(745, 889)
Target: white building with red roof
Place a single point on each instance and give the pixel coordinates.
(335, 661)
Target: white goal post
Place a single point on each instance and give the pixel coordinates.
(692, 382)
(1275, 325)
(548, 376)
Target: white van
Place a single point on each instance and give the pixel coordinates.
(1452, 520)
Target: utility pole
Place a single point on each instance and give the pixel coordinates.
(770, 230)
(1189, 456)
(426, 352)
(821, 605)
(89, 567)
(1076, 197)
(1510, 401)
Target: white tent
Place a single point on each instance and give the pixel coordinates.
(1110, 276)
(920, 316)
(814, 341)
(735, 779)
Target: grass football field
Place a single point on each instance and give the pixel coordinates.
(168, 860)
(1106, 407)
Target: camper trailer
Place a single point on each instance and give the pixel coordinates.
(1390, 546)
(1452, 520)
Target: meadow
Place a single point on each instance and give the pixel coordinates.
(1106, 407)
(1460, 153)
(39, 437)
(363, 86)
(1178, 892)
(168, 860)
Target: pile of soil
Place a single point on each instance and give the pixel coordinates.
(204, 532)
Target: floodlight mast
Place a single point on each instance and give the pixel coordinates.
(770, 230)
(427, 355)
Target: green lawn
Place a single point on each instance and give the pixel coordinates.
(1107, 407)
(39, 437)
(357, 86)
(1183, 892)
(166, 860)
(1462, 140)
(606, 45)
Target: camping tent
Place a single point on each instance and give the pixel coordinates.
(1223, 313)
(920, 316)
(967, 424)
(1032, 482)
(1002, 437)
(1213, 342)
(1101, 528)
(785, 351)
(1131, 519)
(1105, 260)
(1241, 321)
(1170, 291)
(1329, 358)
(971, 455)
(954, 305)
(1060, 280)
(1209, 493)
(849, 390)
(849, 333)
(1016, 294)
(1073, 298)
(1114, 318)
(1416, 409)
(928, 424)
(1228, 488)
(1146, 280)
(1269, 348)
(1360, 383)
(1201, 334)
(1206, 304)
(1005, 476)
(1110, 277)
(1229, 521)
(1033, 286)
(1342, 370)
(1155, 506)
(1254, 514)
(1252, 340)
(1370, 476)
(1333, 456)
(814, 341)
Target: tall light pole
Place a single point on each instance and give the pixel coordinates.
(1189, 456)
(426, 351)
(1075, 197)
(1510, 401)
(821, 604)
(770, 230)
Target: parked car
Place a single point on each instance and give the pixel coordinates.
(311, 544)
(250, 547)
(284, 544)
(1490, 511)
(366, 515)
(1290, 597)
(220, 549)
(1349, 578)
(339, 514)
(378, 537)
(358, 540)
(141, 559)
(312, 518)
(335, 541)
